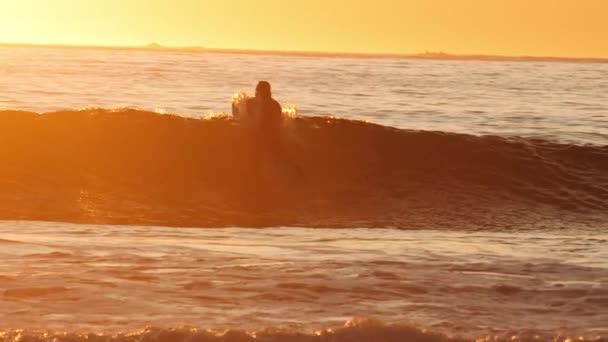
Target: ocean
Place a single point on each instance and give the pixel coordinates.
(408, 199)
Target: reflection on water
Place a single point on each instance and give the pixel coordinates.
(566, 101)
(111, 278)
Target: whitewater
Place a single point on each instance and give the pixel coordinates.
(413, 199)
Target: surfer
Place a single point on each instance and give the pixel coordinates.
(267, 116)
(267, 110)
(267, 134)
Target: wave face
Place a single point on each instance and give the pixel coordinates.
(136, 167)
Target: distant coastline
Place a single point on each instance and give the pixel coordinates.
(425, 55)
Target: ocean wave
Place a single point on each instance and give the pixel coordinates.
(130, 166)
(357, 329)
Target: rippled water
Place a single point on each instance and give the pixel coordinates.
(514, 245)
(566, 101)
(115, 278)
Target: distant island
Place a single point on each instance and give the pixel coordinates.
(426, 55)
(154, 46)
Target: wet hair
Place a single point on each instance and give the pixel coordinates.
(263, 89)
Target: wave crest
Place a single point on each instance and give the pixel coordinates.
(137, 167)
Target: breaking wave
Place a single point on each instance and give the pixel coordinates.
(136, 167)
(357, 329)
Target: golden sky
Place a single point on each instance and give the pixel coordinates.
(572, 28)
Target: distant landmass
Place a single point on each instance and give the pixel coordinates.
(426, 55)
(154, 46)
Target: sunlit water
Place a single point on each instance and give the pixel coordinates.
(566, 101)
(104, 279)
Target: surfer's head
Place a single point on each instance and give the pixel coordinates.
(263, 89)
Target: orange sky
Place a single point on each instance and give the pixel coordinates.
(570, 28)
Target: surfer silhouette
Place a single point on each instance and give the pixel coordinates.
(267, 110)
(267, 114)
(267, 141)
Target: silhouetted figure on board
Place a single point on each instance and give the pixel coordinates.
(267, 128)
(267, 111)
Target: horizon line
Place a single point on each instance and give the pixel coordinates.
(440, 55)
